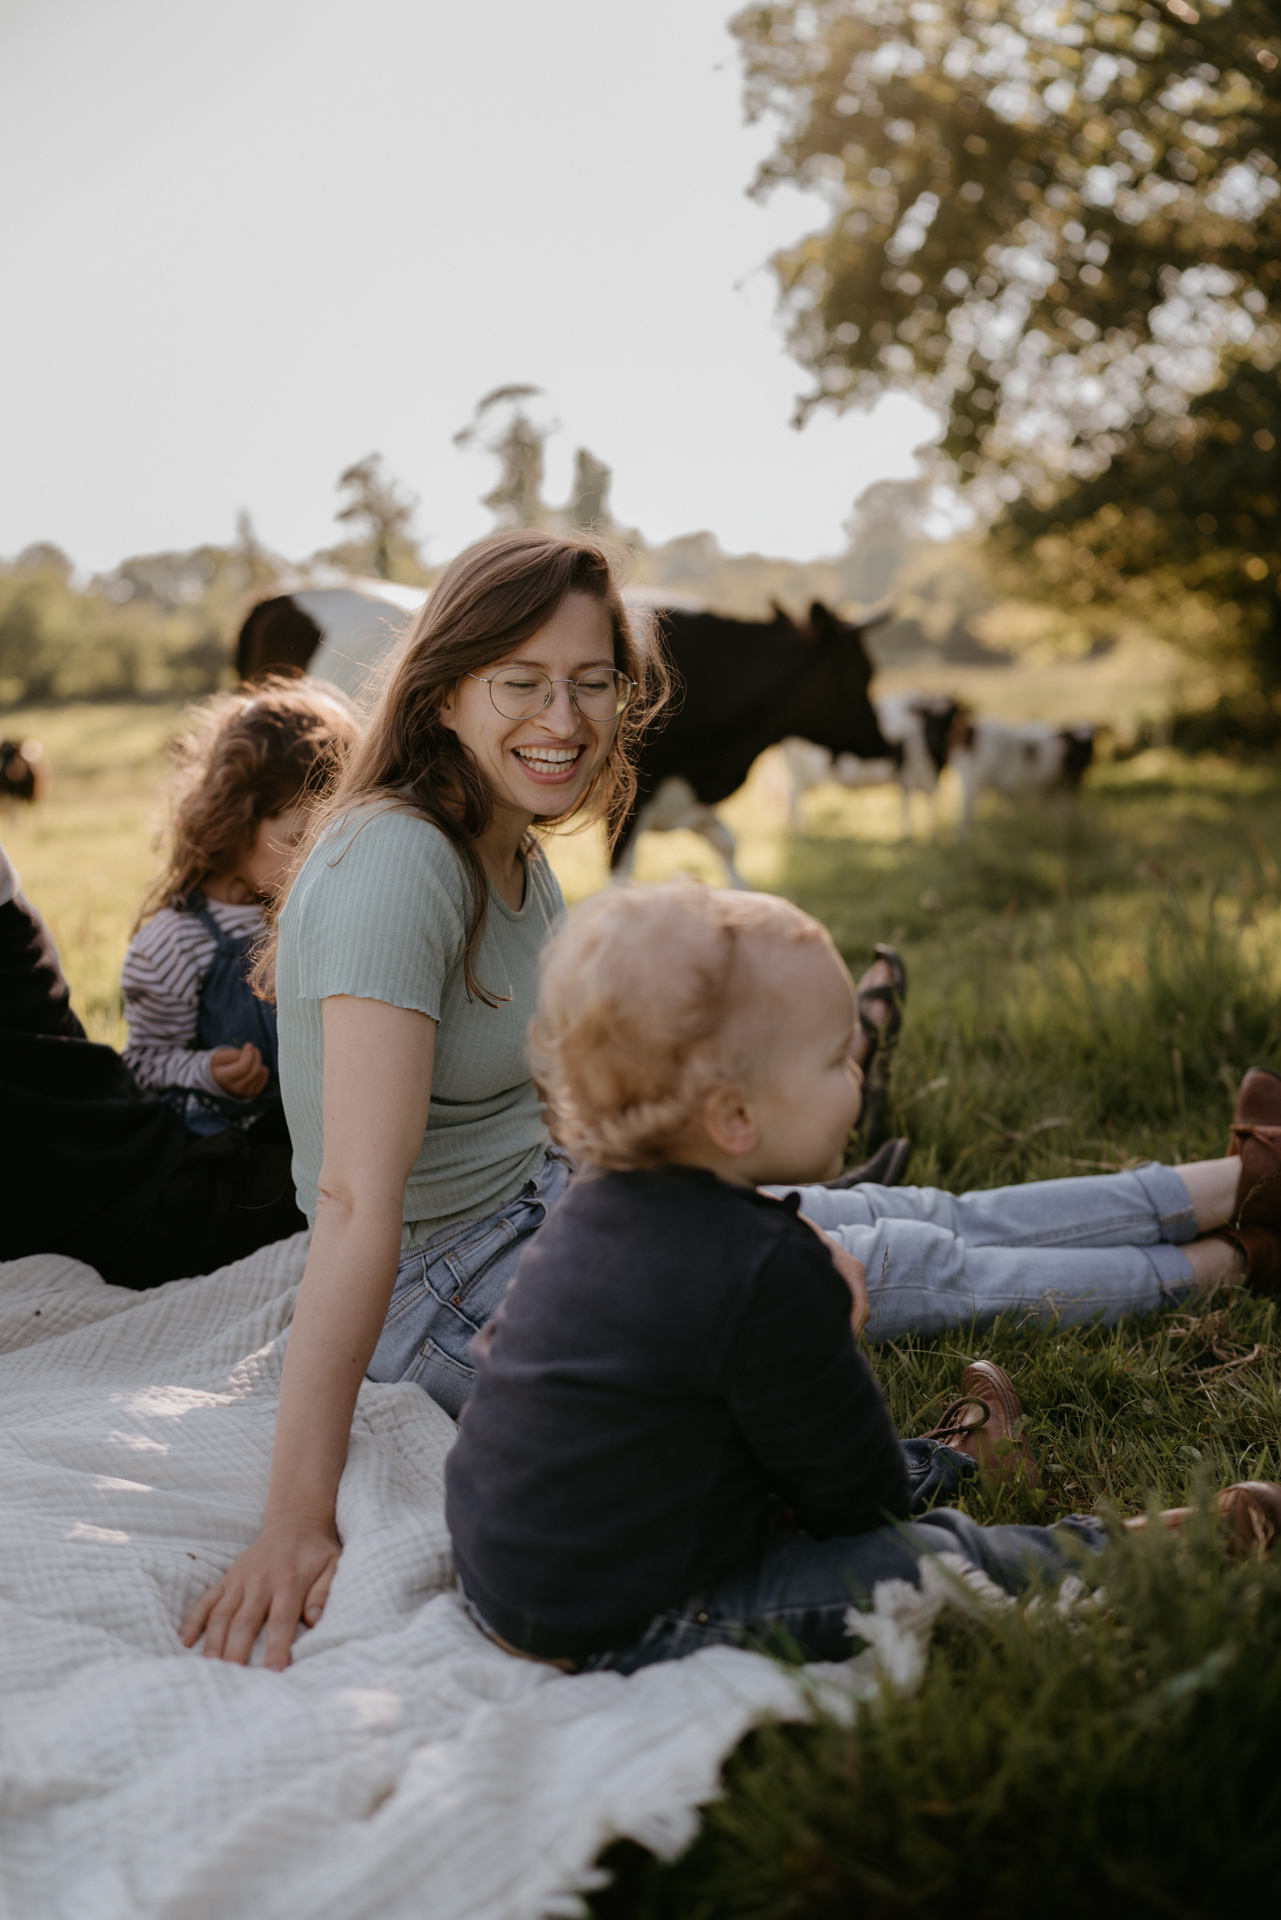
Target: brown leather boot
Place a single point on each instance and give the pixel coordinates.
(1256, 1141)
(1260, 1249)
(1250, 1515)
(987, 1412)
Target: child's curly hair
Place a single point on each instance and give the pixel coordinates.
(648, 1002)
(247, 756)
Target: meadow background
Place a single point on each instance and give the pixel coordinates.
(1040, 246)
(1088, 981)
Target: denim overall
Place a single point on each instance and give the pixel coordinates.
(230, 1014)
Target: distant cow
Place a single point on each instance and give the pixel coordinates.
(23, 770)
(341, 634)
(998, 757)
(918, 727)
(742, 686)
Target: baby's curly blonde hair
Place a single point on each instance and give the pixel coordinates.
(650, 998)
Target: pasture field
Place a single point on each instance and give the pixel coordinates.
(1087, 984)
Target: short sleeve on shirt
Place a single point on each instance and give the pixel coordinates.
(386, 926)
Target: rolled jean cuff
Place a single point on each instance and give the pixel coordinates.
(1171, 1202)
(1173, 1270)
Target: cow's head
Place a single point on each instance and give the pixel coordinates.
(828, 702)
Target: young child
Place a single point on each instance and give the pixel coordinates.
(674, 1439)
(246, 776)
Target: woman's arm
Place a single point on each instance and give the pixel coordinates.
(378, 1068)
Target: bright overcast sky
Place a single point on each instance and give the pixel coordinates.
(246, 243)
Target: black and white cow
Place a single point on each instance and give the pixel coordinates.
(1000, 756)
(342, 634)
(918, 727)
(742, 686)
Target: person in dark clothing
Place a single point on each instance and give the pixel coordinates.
(674, 1439)
(99, 1170)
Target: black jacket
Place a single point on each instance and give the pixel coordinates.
(672, 1367)
(85, 1151)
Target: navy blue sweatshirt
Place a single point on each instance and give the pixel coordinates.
(674, 1364)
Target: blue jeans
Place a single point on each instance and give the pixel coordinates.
(1098, 1247)
(447, 1288)
(792, 1598)
(1102, 1246)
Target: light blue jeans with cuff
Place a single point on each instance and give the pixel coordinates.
(449, 1286)
(1094, 1248)
(1098, 1247)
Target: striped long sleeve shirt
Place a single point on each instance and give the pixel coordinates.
(163, 973)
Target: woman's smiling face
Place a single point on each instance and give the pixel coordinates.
(543, 765)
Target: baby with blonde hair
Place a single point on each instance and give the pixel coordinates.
(654, 1000)
(674, 1439)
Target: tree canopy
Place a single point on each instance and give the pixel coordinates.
(1060, 224)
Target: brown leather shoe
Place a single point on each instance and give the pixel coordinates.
(987, 1424)
(1260, 1249)
(1256, 1141)
(1249, 1512)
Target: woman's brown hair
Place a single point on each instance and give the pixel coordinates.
(246, 757)
(491, 598)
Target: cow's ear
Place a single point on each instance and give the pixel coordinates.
(781, 617)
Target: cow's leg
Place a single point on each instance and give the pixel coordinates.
(719, 837)
(905, 822)
(969, 778)
(624, 856)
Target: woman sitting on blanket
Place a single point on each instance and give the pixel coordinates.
(406, 975)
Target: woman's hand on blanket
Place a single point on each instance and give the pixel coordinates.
(284, 1577)
(239, 1071)
(852, 1272)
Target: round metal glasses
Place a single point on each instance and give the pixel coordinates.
(518, 693)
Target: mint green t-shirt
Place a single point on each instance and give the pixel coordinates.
(380, 910)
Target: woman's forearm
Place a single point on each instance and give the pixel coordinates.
(377, 1084)
(342, 1305)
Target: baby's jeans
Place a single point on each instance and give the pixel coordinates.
(794, 1596)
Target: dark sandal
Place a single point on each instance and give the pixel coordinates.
(1260, 1250)
(882, 1037)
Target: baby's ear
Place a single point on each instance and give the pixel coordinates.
(728, 1120)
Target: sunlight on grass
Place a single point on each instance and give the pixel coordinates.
(1088, 981)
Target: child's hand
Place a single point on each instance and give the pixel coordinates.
(239, 1071)
(852, 1272)
(283, 1578)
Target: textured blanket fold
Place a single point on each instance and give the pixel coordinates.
(403, 1766)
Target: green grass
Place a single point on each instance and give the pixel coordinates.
(1086, 987)
(1121, 1762)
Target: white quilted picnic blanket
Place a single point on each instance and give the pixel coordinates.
(404, 1768)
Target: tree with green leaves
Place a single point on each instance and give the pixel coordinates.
(1060, 225)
